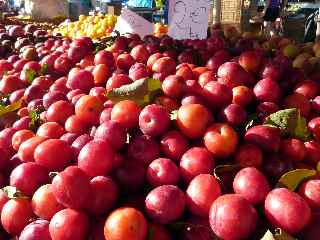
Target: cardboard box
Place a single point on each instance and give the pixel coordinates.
(114, 9)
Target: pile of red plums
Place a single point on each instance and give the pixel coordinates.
(17, 38)
(195, 161)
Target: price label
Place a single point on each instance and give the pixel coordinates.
(188, 19)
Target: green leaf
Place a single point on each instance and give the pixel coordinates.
(174, 115)
(278, 235)
(35, 118)
(284, 119)
(252, 120)
(301, 131)
(31, 75)
(291, 123)
(223, 169)
(44, 69)
(10, 108)
(292, 179)
(13, 193)
(225, 175)
(142, 91)
(318, 167)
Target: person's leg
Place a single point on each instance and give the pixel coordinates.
(270, 17)
(267, 28)
(273, 30)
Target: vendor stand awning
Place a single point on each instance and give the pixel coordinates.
(140, 3)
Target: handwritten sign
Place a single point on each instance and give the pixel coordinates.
(188, 19)
(130, 22)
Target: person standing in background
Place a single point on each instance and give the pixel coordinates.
(166, 12)
(272, 12)
(79, 7)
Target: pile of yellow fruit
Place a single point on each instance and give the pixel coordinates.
(95, 27)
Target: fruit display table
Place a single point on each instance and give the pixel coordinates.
(95, 27)
(48, 24)
(125, 137)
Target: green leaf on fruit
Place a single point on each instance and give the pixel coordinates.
(223, 169)
(252, 121)
(10, 108)
(278, 235)
(225, 175)
(31, 75)
(142, 91)
(291, 123)
(174, 115)
(35, 119)
(44, 69)
(301, 131)
(13, 193)
(293, 179)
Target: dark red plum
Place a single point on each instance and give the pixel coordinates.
(162, 171)
(287, 210)
(165, 204)
(239, 208)
(265, 137)
(154, 120)
(143, 149)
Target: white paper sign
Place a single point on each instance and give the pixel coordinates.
(188, 19)
(130, 22)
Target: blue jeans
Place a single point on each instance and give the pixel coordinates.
(166, 12)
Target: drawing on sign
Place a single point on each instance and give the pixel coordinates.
(132, 20)
(188, 18)
(180, 9)
(196, 14)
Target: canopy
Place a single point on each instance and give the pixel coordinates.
(140, 3)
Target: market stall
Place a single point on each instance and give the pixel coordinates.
(298, 12)
(117, 127)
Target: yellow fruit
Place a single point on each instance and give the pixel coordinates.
(290, 50)
(300, 60)
(82, 17)
(98, 26)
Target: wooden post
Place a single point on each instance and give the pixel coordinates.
(217, 18)
(318, 28)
